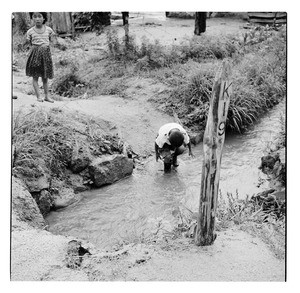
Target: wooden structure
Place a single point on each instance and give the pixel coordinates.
(62, 23)
(270, 18)
(213, 141)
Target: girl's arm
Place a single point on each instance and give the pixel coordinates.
(27, 43)
(54, 39)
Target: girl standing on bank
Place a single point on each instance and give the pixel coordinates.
(39, 63)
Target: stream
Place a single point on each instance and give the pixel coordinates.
(131, 208)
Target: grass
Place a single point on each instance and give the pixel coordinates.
(259, 73)
(247, 214)
(45, 141)
(252, 217)
(67, 82)
(258, 61)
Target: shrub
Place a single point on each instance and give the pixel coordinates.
(92, 21)
(68, 83)
(154, 55)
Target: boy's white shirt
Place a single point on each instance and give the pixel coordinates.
(163, 134)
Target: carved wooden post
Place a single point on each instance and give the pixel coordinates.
(213, 141)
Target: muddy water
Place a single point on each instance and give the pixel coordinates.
(133, 207)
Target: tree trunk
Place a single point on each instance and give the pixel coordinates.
(213, 144)
(200, 23)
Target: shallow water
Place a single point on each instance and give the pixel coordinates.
(133, 206)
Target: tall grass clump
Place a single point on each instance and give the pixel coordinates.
(255, 218)
(42, 141)
(208, 47)
(191, 95)
(155, 55)
(45, 141)
(258, 82)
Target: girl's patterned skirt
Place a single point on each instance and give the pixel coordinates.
(39, 62)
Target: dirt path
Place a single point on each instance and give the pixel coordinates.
(235, 256)
(136, 119)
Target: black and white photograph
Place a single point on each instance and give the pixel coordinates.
(149, 146)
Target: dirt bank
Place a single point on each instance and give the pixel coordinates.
(235, 256)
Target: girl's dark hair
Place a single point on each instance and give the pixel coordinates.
(42, 13)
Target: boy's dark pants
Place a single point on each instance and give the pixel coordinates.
(170, 158)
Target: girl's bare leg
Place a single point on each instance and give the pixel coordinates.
(36, 88)
(46, 90)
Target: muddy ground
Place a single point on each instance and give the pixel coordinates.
(235, 255)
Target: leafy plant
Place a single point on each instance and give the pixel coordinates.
(68, 82)
(91, 21)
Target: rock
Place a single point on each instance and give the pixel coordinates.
(64, 198)
(196, 138)
(75, 253)
(108, 169)
(273, 166)
(37, 184)
(268, 162)
(79, 163)
(77, 183)
(24, 207)
(44, 201)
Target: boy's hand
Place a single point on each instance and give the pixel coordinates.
(157, 157)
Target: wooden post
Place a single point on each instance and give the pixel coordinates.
(213, 141)
(200, 23)
(125, 16)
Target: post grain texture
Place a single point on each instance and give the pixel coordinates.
(213, 142)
